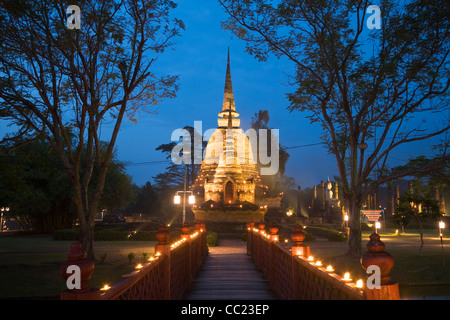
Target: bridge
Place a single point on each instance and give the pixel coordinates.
(259, 269)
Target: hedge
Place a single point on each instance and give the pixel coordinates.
(327, 232)
(111, 235)
(67, 234)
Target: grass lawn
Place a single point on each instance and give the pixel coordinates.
(30, 265)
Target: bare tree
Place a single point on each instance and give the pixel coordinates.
(362, 86)
(55, 80)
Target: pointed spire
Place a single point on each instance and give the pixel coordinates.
(228, 83)
(228, 107)
(228, 96)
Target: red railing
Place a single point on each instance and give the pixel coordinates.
(166, 276)
(294, 276)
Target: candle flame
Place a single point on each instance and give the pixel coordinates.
(105, 287)
(359, 284)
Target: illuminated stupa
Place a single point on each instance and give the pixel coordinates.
(228, 176)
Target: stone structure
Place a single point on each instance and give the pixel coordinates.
(326, 203)
(229, 175)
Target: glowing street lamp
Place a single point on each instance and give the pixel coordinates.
(190, 200)
(1, 218)
(377, 226)
(346, 220)
(442, 226)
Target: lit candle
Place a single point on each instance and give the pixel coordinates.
(139, 266)
(347, 277)
(319, 263)
(329, 268)
(359, 284)
(310, 258)
(105, 287)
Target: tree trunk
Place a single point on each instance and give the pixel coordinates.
(421, 243)
(87, 238)
(354, 238)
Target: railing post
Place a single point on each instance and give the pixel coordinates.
(200, 227)
(185, 234)
(298, 249)
(78, 266)
(204, 235)
(250, 227)
(261, 226)
(298, 236)
(274, 237)
(376, 256)
(163, 248)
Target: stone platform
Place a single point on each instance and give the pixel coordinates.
(238, 216)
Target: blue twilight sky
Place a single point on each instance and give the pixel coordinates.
(199, 57)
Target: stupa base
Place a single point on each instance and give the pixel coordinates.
(235, 216)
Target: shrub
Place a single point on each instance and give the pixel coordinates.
(67, 234)
(211, 239)
(131, 257)
(327, 232)
(102, 258)
(144, 236)
(111, 235)
(308, 236)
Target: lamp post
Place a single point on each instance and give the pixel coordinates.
(377, 226)
(177, 200)
(442, 226)
(1, 218)
(289, 213)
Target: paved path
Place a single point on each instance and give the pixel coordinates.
(228, 273)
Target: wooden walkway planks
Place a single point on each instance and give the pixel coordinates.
(228, 273)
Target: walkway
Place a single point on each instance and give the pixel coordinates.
(228, 273)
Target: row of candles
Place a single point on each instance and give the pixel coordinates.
(156, 256)
(329, 269)
(138, 268)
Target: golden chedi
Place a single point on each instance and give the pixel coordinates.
(229, 175)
